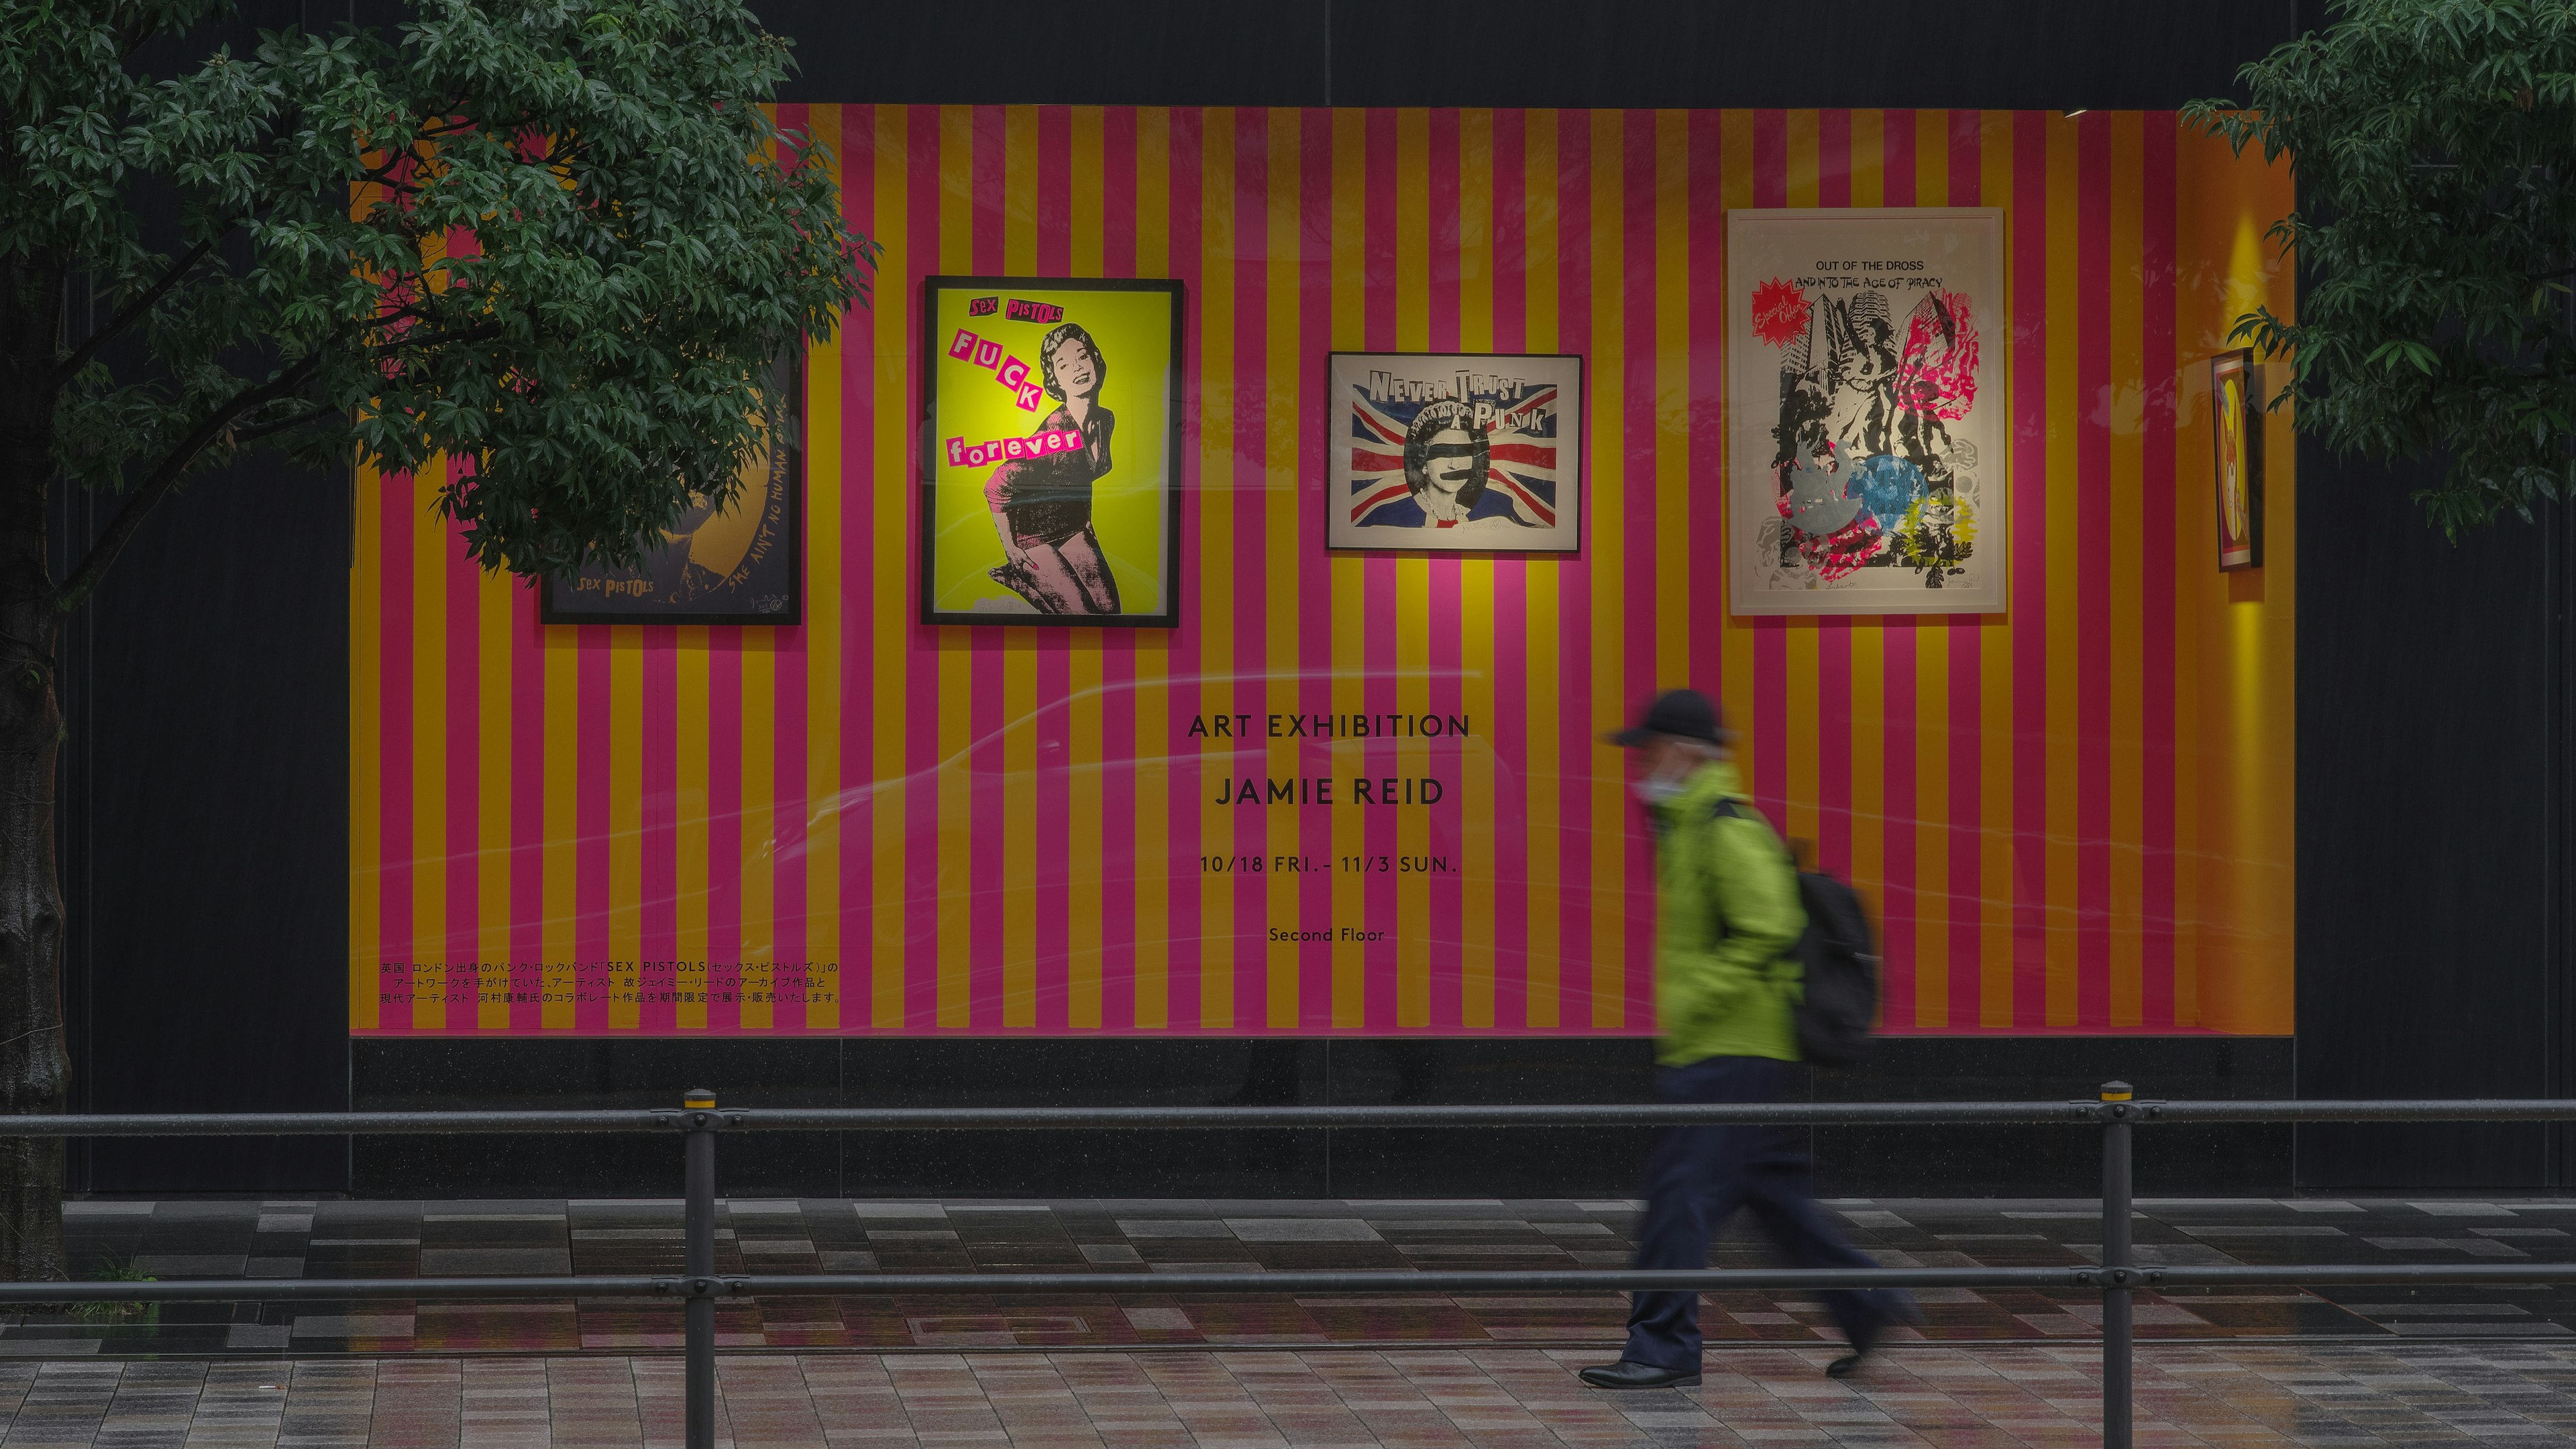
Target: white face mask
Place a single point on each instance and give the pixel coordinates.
(1660, 789)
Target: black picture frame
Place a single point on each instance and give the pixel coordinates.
(559, 603)
(927, 461)
(2247, 553)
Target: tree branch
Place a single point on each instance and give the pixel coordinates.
(163, 478)
(288, 423)
(132, 312)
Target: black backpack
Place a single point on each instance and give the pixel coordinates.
(1840, 954)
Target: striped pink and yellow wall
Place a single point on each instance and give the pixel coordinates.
(861, 825)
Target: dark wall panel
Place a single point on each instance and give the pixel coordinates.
(2036, 54)
(2432, 776)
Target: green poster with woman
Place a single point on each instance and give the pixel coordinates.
(1050, 467)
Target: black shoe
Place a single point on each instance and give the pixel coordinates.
(1630, 1374)
(1895, 1307)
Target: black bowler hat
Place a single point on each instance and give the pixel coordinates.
(1682, 713)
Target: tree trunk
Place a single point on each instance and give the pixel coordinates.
(35, 1067)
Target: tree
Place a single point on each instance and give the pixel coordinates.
(557, 239)
(2435, 146)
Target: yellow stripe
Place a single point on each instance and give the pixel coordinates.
(1281, 499)
(822, 646)
(431, 541)
(366, 751)
(690, 693)
(562, 825)
(956, 916)
(1413, 622)
(1609, 569)
(625, 824)
(1932, 904)
(890, 609)
(1543, 767)
(1804, 186)
(2062, 575)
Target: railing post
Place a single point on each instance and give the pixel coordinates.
(698, 1266)
(2117, 1260)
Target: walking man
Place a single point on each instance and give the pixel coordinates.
(1726, 919)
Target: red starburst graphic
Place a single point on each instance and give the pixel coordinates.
(1780, 312)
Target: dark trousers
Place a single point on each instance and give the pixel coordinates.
(1696, 1180)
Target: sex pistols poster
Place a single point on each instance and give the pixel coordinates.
(1456, 451)
(1051, 444)
(1866, 418)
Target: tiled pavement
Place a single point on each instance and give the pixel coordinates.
(2502, 1395)
(345, 1239)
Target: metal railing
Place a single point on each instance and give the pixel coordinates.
(699, 1121)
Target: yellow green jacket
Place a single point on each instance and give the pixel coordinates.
(1726, 916)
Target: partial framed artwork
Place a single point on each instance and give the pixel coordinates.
(1868, 424)
(1051, 451)
(1455, 452)
(2236, 405)
(743, 563)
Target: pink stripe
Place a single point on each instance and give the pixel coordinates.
(395, 942)
(724, 830)
(2029, 218)
(1966, 144)
(855, 814)
(1377, 573)
(591, 786)
(1511, 845)
(1314, 692)
(988, 770)
(1574, 613)
(659, 817)
(1900, 805)
(788, 844)
(1248, 954)
(923, 644)
(1899, 811)
(1444, 947)
(1056, 834)
(1636, 284)
(2093, 574)
(1118, 872)
(1188, 956)
(2157, 571)
(1967, 822)
(1770, 734)
(1833, 158)
(464, 775)
(527, 810)
(1896, 158)
(1707, 391)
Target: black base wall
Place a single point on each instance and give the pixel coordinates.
(1865, 1161)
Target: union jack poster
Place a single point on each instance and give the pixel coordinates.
(1460, 452)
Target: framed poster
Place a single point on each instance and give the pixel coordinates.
(1474, 452)
(742, 563)
(2236, 405)
(1050, 451)
(1867, 427)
